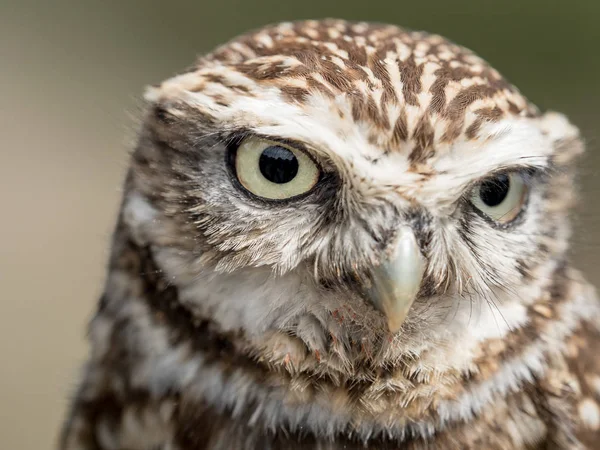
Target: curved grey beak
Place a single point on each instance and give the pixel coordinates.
(396, 281)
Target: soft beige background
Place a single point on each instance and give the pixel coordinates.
(71, 73)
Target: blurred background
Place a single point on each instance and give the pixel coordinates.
(71, 77)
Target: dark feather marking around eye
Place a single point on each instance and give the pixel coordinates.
(421, 222)
(381, 237)
(465, 231)
(466, 234)
(493, 273)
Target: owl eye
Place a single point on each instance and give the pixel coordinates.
(501, 197)
(273, 170)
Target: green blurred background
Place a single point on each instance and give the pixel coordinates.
(71, 75)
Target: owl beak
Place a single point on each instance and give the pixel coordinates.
(396, 281)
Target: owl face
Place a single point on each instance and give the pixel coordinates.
(353, 191)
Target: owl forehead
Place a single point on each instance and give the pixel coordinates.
(371, 91)
(407, 89)
(389, 75)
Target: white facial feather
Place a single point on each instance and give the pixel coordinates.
(257, 301)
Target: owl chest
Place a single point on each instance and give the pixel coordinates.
(171, 425)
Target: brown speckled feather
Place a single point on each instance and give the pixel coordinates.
(229, 321)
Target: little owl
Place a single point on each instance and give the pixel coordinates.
(343, 235)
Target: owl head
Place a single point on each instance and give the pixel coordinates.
(343, 196)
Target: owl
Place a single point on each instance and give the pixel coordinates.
(343, 235)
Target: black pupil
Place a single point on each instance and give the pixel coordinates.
(278, 164)
(494, 191)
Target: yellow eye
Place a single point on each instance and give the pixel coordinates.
(501, 197)
(273, 170)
